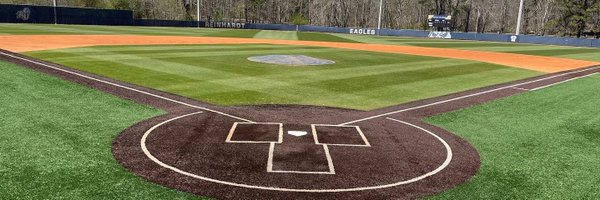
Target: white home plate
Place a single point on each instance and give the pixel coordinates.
(297, 133)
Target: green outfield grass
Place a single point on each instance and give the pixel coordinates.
(221, 74)
(538, 145)
(56, 137)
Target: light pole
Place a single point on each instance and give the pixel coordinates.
(519, 18)
(198, 11)
(380, 11)
(55, 18)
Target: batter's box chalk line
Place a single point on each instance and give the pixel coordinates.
(332, 132)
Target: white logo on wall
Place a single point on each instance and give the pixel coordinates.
(513, 38)
(362, 31)
(225, 25)
(440, 34)
(23, 14)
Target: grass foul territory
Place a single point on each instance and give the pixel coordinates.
(56, 141)
(538, 145)
(222, 74)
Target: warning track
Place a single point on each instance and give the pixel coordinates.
(22, 43)
(245, 152)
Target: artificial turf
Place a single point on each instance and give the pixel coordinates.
(221, 74)
(56, 137)
(538, 145)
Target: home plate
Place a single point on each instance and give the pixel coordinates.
(297, 133)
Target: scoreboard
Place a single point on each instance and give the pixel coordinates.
(440, 22)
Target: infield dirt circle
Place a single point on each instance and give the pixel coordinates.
(225, 156)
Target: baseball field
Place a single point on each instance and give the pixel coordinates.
(119, 112)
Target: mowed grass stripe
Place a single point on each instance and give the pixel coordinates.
(185, 55)
(214, 80)
(313, 36)
(435, 87)
(278, 35)
(402, 77)
(366, 70)
(537, 145)
(358, 79)
(334, 73)
(199, 50)
(56, 141)
(159, 65)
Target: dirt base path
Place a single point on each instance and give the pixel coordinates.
(294, 151)
(24, 43)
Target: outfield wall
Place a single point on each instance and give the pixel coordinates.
(559, 41)
(407, 33)
(64, 15)
(281, 27)
(168, 23)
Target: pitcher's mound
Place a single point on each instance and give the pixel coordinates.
(295, 60)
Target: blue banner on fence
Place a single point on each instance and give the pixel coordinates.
(64, 15)
(596, 43)
(171, 23)
(557, 40)
(323, 29)
(26, 14)
(407, 33)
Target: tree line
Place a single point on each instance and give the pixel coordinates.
(540, 17)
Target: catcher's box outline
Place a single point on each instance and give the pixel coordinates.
(327, 156)
(272, 148)
(330, 164)
(172, 168)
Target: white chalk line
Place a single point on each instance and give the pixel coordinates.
(177, 170)
(519, 88)
(233, 128)
(327, 155)
(360, 133)
(561, 82)
(125, 87)
(467, 96)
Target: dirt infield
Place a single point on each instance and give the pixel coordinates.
(23, 43)
(246, 152)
